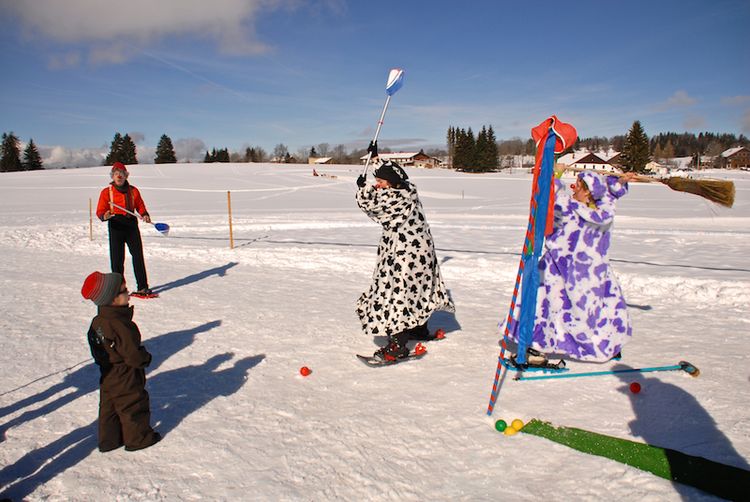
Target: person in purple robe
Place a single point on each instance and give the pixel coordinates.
(581, 312)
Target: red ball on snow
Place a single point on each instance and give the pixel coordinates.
(304, 371)
(635, 387)
(440, 334)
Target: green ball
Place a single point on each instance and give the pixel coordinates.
(500, 425)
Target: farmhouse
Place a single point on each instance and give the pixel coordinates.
(587, 160)
(409, 159)
(736, 158)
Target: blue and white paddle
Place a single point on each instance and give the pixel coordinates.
(394, 83)
(162, 228)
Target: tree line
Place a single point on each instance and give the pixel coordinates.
(465, 151)
(470, 154)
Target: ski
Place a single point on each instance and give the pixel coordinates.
(419, 352)
(685, 366)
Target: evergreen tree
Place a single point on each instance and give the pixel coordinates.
(470, 151)
(32, 161)
(482, 151)
(313, 153)
(451, 140)
(115, 151)
(486, 150)
(128, 151)
(10, 159)
(459, 149)
(165, 151)
(222, 155)
(635, 151)
(492, 156)
(465, 151)
(207, 158)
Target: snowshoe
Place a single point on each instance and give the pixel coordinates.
(374, 361)
(391, 352)
(145, 293)
(535, 361)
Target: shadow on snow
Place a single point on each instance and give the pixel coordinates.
(670, 417)
(175, 394)
(218, 271)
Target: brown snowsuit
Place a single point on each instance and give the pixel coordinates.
(124, 411)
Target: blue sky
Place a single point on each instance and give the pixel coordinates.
(237, 73)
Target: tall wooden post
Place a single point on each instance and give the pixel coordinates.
(229, 208)
(91, 221)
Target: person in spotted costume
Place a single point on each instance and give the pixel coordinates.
(406, 285)
(581, 311)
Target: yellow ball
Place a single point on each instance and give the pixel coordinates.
(509, 431)
(517, 424)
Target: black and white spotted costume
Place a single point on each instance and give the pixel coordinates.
(407, 286)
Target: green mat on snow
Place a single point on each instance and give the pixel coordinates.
(722, 480)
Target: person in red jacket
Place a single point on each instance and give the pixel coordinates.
(123, 227)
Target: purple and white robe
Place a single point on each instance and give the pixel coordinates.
(581, 312)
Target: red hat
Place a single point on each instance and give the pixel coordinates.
(565, 133)
(119, 166)
(101, 288)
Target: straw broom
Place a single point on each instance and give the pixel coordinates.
(718, 191)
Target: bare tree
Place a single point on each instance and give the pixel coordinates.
(280, 152)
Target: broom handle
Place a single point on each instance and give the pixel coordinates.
(638, 177)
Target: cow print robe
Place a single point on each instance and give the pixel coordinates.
(406, 286)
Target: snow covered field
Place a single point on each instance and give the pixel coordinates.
(233, 327)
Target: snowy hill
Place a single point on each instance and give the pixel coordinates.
(233, 327)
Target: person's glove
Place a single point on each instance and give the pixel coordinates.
(361, 181)
(373, 148)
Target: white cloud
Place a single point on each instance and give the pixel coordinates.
(186, 149)
(189, 149)
(679, 99)
(114, 30)
(61, 156)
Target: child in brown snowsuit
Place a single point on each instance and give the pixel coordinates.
(115, 342)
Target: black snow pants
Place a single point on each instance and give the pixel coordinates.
(124, 230)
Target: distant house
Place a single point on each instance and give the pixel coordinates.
(408, 159)
(736, 158)
(584, 159)
(319, 160)
(656, 168)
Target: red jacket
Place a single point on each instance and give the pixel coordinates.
(131, 201)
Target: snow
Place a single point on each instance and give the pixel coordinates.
(233, 327)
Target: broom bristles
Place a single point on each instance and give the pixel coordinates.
(718, 191)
